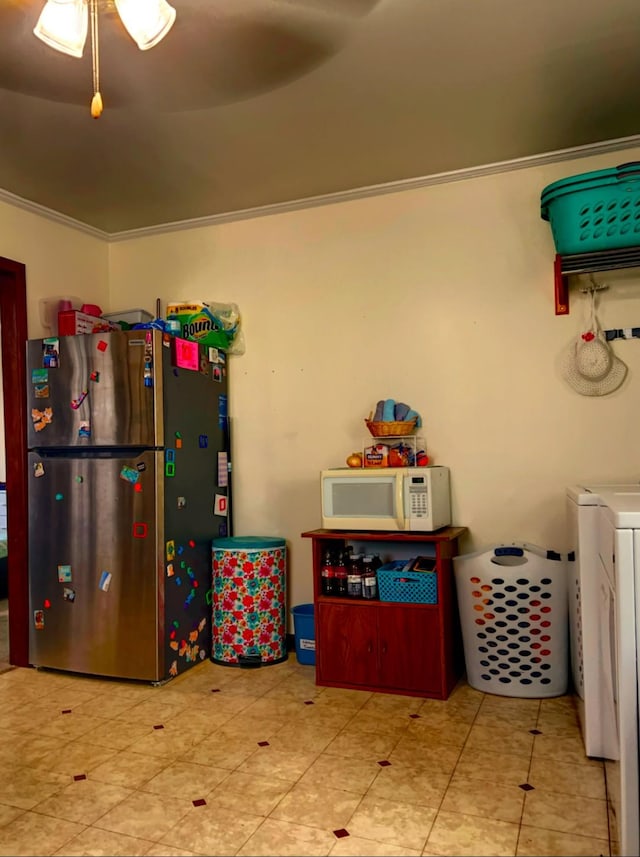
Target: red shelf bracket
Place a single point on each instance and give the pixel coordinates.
(561, 287)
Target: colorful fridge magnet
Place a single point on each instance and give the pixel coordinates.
(129, 474)
(178, 440)
(94, 376)
(220, 505)
(84, 429)
(171, 551)
(39, 376)
(38, 469)
(59, 496)
(41, 391)
(222, 411)
(170, 571)
(75, 403)
(79, 479)
(140, 530)
(203, 441)
(64, 574)
(102, 345)
(41, 419)
(38, 619)
(223, 470)
(105, 581)
(51, 353)
(213, 355)
(182, 502)
(68, 594)
(217, 374)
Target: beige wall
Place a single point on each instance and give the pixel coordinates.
(440, 297)
(60, 260)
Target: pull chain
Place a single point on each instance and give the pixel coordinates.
(96, 101)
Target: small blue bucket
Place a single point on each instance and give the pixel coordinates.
(305, 633)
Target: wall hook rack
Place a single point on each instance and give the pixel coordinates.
(586, 263)
(594, 287)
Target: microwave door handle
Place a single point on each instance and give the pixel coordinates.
(399, 498)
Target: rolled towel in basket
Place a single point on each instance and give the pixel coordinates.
(401, 411)
(414, 415)
(377, 417)
(388, 410)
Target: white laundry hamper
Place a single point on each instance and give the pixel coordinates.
(514, 619)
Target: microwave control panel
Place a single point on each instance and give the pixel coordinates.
(418, 497)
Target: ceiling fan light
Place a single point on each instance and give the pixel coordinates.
(63, 25)
(147, 21)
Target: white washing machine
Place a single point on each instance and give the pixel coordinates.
(619, 555)
(591, 598)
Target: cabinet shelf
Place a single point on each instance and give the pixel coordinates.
(412, 648)
(588, 263)
(364, 602)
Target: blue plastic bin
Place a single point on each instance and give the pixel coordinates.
(305, 633)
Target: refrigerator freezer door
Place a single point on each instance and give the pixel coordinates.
(95, 390)
(196, 492)
(94, 572)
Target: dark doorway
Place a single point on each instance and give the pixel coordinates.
(13, 312)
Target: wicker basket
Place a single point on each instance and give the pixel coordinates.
(391, 428)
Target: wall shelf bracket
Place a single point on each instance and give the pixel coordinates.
(588, 263)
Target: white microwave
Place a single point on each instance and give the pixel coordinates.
(406, 499)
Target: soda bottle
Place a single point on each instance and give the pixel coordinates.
(354, 578)
(369, 578)
(327, 575)
(341, 574)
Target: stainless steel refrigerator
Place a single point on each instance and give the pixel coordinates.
(129, 482)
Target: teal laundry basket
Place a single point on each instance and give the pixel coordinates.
(594, 211)
(305, 633)
(248, 601)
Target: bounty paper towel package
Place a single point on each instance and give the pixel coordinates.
(210, 324)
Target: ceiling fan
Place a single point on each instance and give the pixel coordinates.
(217, 53)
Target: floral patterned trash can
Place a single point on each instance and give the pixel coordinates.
(248, 601)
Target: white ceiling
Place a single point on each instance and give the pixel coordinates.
(251, 103)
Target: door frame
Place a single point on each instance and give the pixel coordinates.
(13, 315)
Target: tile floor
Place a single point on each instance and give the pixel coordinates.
(4, 634)
(223, 761)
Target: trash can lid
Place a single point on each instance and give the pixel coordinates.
(248, 543)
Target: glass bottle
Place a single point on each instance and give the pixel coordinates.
(354, 578)
(327, 575)
(341, 573)
(369, 578)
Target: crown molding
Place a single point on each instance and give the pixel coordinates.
(331, 198)
(51, 214)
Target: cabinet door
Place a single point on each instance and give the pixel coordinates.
(409, 649)
(346, 644)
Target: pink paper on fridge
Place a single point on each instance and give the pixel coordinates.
(187, 354)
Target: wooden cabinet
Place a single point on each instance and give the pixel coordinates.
(413, 649)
